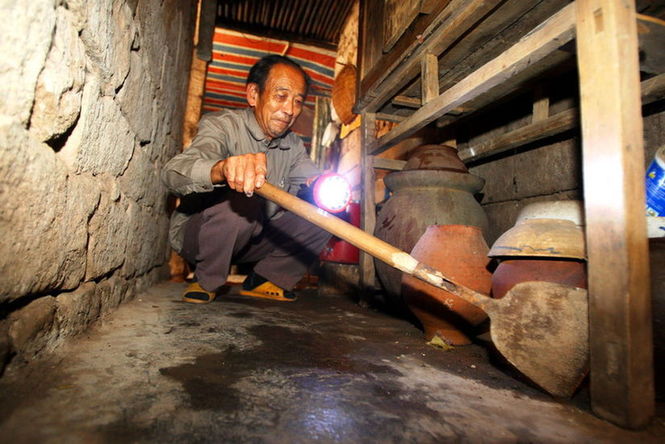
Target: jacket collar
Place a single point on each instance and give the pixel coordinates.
(258, 135)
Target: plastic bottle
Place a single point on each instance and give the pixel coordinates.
(655, 185)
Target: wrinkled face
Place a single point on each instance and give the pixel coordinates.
(281, 102)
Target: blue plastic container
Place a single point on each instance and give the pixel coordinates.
(655, 185)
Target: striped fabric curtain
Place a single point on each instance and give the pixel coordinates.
(234, 53)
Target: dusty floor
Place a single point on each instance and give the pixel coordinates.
(242, 370)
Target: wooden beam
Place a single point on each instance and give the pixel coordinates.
(415, 102)
(652, 89)
(620, 321)
(410, 102)
(429, 69)
(556, 63)
(390, 117)
(541, 129)
(452, 22)
(368, 206)
(503, 27)
(554, 32)
(207, 17)
(388, 164)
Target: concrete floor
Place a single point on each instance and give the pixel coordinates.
(244, 370)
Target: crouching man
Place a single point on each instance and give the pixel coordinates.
(220, 219)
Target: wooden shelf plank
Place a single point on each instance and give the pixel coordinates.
(388, 164)
(554, 32)
(390, 117)
(620, 322)
(652, 89)
(451, 23)
(556, 124)
(507, 23)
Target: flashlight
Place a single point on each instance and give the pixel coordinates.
(331, 192)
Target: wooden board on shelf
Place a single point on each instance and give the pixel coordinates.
(507, 24)
(398, 15)
(401, 65)
(652, 89)
(537, 45)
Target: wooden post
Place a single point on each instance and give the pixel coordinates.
(613, 160)
(429, 80)
(368, 207)
(541, 105)
(207, 18)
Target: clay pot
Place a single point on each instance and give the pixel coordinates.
(541, 238)
(422, 198)
(572, 210)
(459, 252)
(435, 157)
(561, 271)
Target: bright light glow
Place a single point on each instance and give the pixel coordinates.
(332, 193)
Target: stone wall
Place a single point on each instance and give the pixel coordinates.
(91, 107)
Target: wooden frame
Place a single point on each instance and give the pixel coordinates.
(613, 164)
(607, 42)
(368, 206)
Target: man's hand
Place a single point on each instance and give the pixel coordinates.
(243, 173)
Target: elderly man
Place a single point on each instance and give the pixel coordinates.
(234, 153)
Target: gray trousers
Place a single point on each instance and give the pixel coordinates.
(237, 229)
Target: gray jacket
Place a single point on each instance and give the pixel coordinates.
(224, 134)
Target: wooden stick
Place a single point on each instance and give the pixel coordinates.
(372, 245)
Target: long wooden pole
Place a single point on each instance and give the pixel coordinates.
(372, 245)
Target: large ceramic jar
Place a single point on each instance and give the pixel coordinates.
(463, 260)
(434, 188)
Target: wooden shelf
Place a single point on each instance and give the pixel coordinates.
(484, 51)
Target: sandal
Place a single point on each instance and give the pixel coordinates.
(259, 287)
(196, 294)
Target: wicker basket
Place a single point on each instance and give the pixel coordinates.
(344, 94)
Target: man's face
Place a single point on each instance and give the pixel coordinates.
(281, 101)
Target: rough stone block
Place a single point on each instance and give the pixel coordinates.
(75, 311)
(108, 230)
(5, 345)
(141, 181)
(102, 141)
(59, 87)
(77, 8)
(156, 20)
(545, 170)
(30, 328)
(82, 198)
(137, 96)
(32, 183)
(654, 135)
(26, 30)
(46, 216)
(112, 292)
(108, 37)
(146, 243)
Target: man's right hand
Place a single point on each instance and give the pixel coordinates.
(243, 173)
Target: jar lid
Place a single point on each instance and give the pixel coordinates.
(542, 238)
(435, 157)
